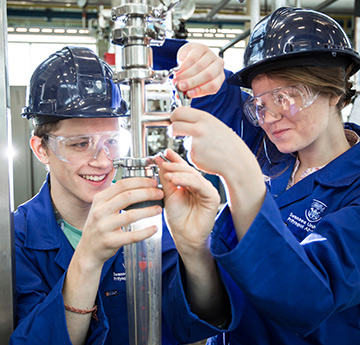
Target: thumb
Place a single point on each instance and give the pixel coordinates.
(182, 54)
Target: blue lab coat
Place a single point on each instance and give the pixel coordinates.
(43, 254)
(298, 266)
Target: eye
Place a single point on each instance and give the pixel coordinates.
(280, 97)
(78, 144)
(82, 144)
(259, 105)
(112, 142)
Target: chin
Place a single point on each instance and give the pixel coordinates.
(286, 149)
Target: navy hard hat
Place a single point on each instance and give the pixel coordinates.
(295, 37)
(73, 83)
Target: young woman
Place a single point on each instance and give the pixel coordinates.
(289, 236)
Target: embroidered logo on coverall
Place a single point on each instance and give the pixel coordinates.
(119, 276)
(314, 213)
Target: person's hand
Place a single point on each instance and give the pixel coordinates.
(216, 149)
(191, 204)
(201, 71)
(103, 234)
(213, 145)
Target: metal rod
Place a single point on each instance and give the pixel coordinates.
(137, 110)
(233, 42)
(254, 13)
(142, 259)
(324, 5)
(216, 9)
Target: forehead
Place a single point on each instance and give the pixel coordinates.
(87, 125)
(263, 83)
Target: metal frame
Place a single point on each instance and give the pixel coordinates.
(7, 262)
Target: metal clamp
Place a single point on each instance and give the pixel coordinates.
(184, 99)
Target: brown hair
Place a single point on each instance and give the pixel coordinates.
(46, 128)
(334, 81)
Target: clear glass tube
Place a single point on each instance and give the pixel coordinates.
(143, 285)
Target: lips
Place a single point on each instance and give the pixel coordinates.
(279, 133)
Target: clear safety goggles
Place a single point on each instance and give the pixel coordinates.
(86, 147)
(279, 102)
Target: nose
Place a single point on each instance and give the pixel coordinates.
(270, 117)
(100, 149)
(101, 157)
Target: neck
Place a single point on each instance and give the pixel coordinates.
(324, 151)
(72, 212)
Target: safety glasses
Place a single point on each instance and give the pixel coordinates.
(279, 102)
(86, 147)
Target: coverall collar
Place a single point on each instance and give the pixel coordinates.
(46, 234)
(341, 172)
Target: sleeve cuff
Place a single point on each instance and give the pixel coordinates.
(186, 325)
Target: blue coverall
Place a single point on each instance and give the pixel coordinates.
(298, 266)
(43, 254)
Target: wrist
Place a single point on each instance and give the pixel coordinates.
(193, 243)
(86, 260)
(190, 255)
(85, 266)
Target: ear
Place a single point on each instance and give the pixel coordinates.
(39, 150)
(334, 100)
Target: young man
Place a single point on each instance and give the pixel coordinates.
(69, 238)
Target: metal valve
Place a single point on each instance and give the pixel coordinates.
(184, 99)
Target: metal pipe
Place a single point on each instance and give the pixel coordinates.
(216, 9)
(142, 259)
(324, 5)
(137, 109)
(219, 19)
(233, 42)
(279, 3)
(7, 260)
(254, 12)
(143, 285)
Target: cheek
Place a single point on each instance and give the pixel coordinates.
(309, 123)
(265, 127)
(62, 170)
(318, 120)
